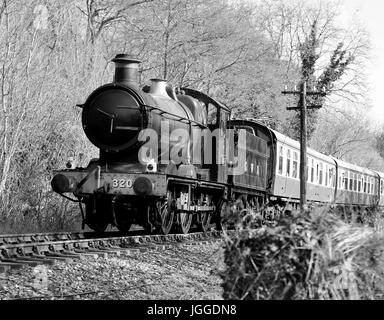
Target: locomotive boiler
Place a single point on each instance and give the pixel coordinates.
(125, 186)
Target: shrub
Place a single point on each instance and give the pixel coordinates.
(312, 256)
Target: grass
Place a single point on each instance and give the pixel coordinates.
(316, 256)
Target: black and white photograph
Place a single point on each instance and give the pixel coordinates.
(205, 151)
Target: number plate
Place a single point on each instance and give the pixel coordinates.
(122, 183)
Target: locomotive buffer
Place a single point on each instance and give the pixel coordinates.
(303, 107)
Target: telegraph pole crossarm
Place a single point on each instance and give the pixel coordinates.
(303, 135)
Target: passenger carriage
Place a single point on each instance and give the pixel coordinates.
(357, 186)
(321, 172)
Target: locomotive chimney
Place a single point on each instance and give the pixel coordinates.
(159, 87)
(126, 69)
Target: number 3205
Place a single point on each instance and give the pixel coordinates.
(122, 183)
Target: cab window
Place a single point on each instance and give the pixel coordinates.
(212, 114)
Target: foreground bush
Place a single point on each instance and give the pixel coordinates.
(317, 256)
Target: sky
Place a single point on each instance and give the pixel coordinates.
(370, 13)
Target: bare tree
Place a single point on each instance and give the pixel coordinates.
(346, 135)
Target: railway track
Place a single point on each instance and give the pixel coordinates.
(17, 251)
(39, 237)
(57, 236)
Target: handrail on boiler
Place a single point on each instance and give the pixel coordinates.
(182, 119)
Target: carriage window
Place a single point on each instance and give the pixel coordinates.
(346, 180)
(326, 175)
(320, 173)
(369, 186)
(359, 183)
(312, 170)
(341, 180)
(333, 178)
(354, 182)
(365, 184)
(281, 155)
(288, 162)
(317, 173)
(362, 183)
(381, 186)
(295, 165)
(350, 181)
(372, 186)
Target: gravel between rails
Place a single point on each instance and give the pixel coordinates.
(187, 272)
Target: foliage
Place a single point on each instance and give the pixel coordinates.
(346, 134)
(316, 256)
(335, 69)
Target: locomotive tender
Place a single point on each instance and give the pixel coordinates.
(126, 186)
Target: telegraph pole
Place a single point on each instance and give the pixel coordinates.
(303, 136)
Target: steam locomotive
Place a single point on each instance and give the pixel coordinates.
(158, 185)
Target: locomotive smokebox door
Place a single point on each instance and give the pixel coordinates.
(114, 115)
(112, 119)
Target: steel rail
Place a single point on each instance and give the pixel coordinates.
(15, 256)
